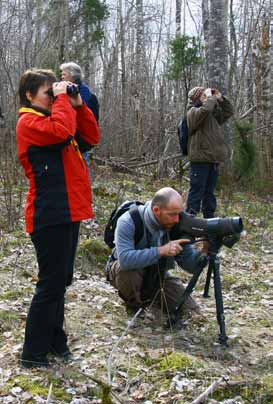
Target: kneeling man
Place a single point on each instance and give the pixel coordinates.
(140, 271)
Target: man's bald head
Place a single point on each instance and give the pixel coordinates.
(166, 207)
(164, 196)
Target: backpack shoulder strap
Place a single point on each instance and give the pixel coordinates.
(138, 222)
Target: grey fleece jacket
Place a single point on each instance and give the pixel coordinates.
(129, 255)
(145, 253)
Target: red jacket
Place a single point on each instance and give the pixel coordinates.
(59, 185)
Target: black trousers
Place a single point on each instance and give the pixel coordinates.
(203, 178)
(55, 249)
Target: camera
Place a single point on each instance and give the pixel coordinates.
(71, 89)
(213, 91)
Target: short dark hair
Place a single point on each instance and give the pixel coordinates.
(31, 80)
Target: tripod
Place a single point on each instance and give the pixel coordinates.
(215, 244)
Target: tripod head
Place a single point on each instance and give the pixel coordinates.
(218, 231)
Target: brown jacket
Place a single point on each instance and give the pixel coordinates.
(206, 138)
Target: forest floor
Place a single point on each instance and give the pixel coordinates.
(151, 364)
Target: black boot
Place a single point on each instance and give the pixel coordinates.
(34, 360)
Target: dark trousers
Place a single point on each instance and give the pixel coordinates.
(55, 249)
(203, 178)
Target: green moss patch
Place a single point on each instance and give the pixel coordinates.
(13, 294)
(8, 319)
(36, 386)
(261, 392)
(178, 361)
(93, 251)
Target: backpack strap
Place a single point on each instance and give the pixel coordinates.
(138, 222)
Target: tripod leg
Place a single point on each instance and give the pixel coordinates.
(176, 314)
(219, 301)
(206, 290)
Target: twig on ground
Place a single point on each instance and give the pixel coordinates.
(210, 390)
(118, 398)
(109, 362)
(106, 388)
(49, 394)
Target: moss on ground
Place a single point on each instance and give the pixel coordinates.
(93, 251)
(13, 294)
(37, 386)
(9, 319)
(228, 280)
(178, 361)
(252, 393)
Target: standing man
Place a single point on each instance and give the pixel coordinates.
(208, 110)
(72, 72)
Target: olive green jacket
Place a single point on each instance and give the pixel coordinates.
(206, 138)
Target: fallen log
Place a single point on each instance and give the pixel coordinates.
(117, 166)
(130, 169)
(148, 163)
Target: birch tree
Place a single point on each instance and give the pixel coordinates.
(263, 65)
(139, 75)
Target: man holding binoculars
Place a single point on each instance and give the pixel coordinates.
(207, 111)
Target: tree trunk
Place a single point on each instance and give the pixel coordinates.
(263, 65)
(206, 24)
(62, 9)
(139, 76)
(123, 78)
(177, 85)
(178, 17)
(218, 60)
(233, 50)
(218, 49)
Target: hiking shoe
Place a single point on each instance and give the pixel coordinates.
(65, 355)
(31, 361)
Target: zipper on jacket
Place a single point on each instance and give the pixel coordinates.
(77, 150)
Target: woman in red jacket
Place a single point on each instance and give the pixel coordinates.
(52, 130)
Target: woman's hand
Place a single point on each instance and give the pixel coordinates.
(59, 87)
(76, 100)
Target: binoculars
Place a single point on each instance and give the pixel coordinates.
(71, 89)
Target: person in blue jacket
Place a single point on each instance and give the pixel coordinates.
(72, 72)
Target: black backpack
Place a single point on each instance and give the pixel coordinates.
(183, 135)
(132, 206)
